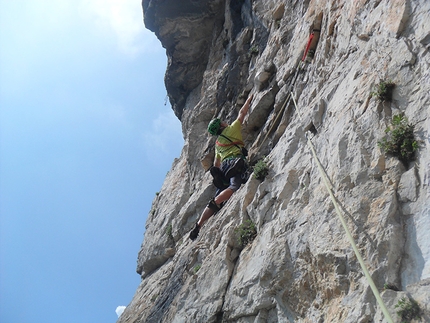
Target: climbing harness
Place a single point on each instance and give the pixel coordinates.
(342, 220)
(242, 149)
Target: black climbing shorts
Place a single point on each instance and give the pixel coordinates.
(235, 181)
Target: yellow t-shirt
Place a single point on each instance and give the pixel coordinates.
(224, 148)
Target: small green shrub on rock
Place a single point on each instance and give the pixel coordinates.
(384, 91)
(169, 230)
(197, 268)
(253, 50)
(408, 310)
(246, 232)
(399, 140)
(260, 169)
(390, 286)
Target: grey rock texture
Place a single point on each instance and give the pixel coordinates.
(300, 267)
(186, 28)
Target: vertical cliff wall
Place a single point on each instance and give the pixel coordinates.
(300, 267)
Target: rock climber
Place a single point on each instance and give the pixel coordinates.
(229, 164)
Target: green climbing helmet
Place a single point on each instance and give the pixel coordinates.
(214, 126)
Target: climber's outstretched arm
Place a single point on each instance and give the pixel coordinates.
(244, 110)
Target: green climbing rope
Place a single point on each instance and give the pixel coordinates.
(342, 220)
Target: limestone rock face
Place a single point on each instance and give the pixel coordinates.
(186, 28)
(300, 267)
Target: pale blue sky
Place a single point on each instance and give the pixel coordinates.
(86, 140)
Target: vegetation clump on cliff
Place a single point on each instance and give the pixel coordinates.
(408, 310)
(261, 169)
(399, 140)
(384, 91)
(246, 232)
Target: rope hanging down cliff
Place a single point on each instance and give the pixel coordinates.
(307, 57)
(342, 220)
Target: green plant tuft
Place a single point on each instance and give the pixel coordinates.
(408, 309)
(253, 50)
(246, 232)
(384, 91)
(169, 230)
(260, 169)
(399, 140)
(197, 268)
(390, 286)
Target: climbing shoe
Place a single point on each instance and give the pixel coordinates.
(236, 168)
(195, 232)
(219, 180)
(213, 206)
